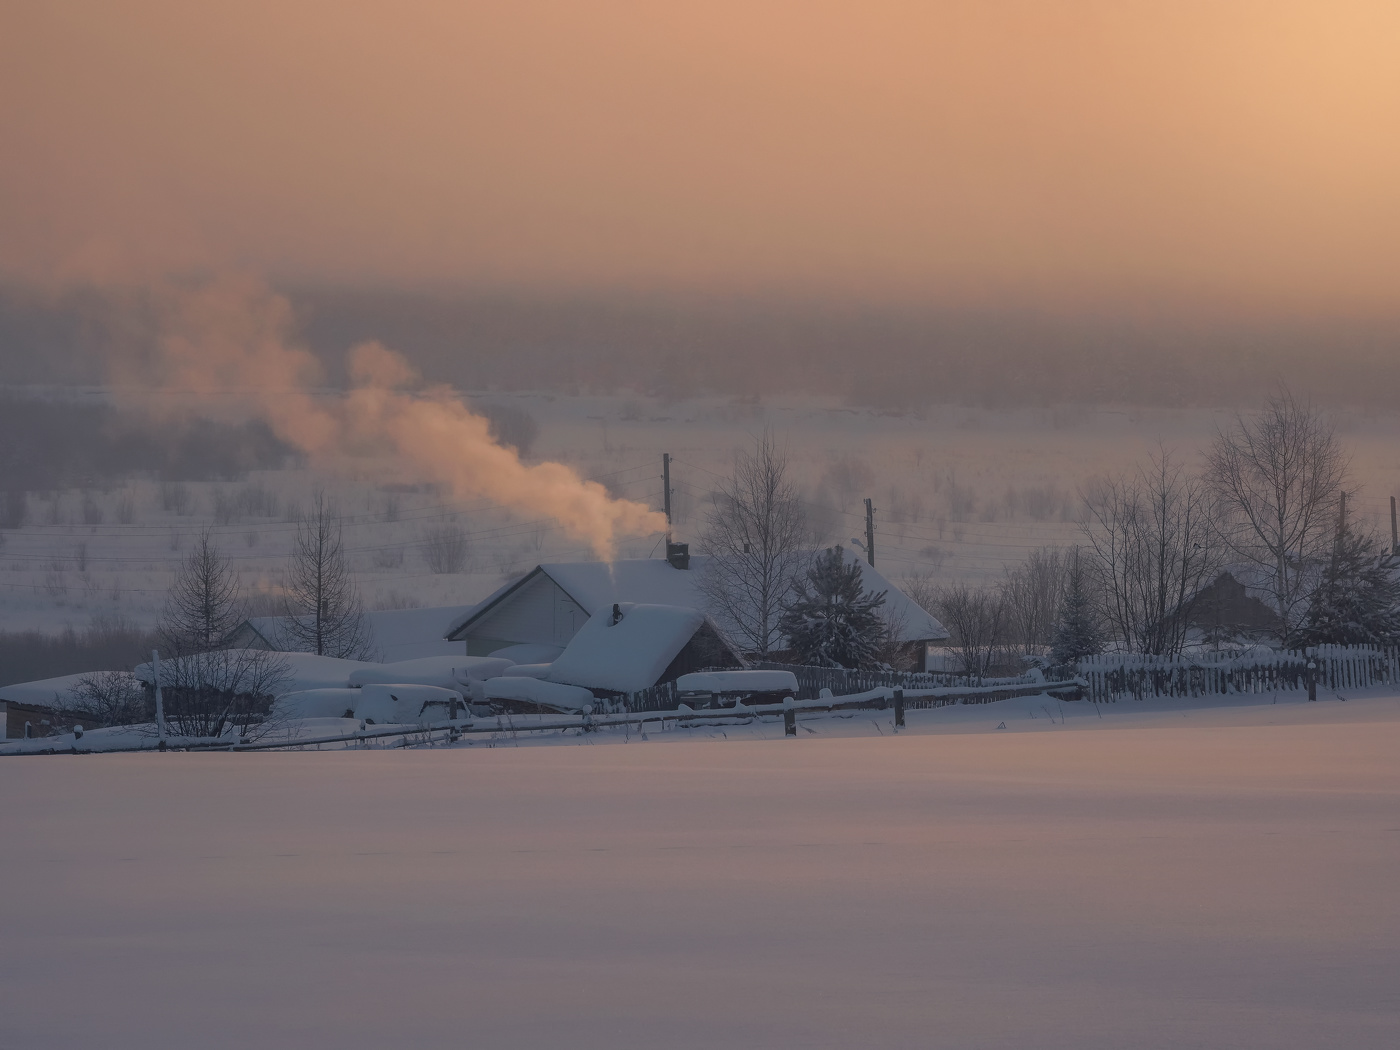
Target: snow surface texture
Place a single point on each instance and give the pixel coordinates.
(630, 654)
(1161, 876)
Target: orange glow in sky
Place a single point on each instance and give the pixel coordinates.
(1244, 153)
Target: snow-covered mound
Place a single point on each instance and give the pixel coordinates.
(305, 670)
(526, 671)
(315, 703)
(530, 653)
(446, 672)
(545, 695)
(47, 692)
(403, 703)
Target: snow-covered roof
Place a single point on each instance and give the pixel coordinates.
(398, 634)
(529, 653)
(305, 671)
(46, 692)
(534, 691)
(597, 585)
(737, 682)
(630, 654)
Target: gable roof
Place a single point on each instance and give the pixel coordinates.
(629, 655)
(596, 585)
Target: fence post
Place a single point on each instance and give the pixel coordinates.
(899, 708)
(1310, 674)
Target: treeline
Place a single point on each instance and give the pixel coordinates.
(52, 445)
(1268, 505)
(28, 656)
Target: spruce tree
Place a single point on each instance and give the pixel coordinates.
(203, 606)
(832, 620)
(324, 613)
(1077, 634)
(1357, 600)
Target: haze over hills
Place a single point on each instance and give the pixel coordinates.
(678, 346)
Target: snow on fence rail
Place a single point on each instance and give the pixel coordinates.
(842, 681)
(499, 726)
(812, 680)
(1112, 676)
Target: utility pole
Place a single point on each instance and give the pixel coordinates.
(666, 483)
(869, 531)
(160, 700)
(1394, 535)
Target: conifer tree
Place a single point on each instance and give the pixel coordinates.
(204, 605)
(1077, 633)
(832, 620)
(1357, 600)
(324, 612)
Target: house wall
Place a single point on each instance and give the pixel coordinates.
(13, 716)
(538, 612)
(705, 650)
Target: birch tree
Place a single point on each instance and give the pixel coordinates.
(1154, 544)
(755, 536)
(1279, 475)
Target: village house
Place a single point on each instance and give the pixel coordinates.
(545, 608)
(1224, 612)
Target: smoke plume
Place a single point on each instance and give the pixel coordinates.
(226, 346)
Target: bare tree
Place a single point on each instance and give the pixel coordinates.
(1279, 475)
(211, 693)
(1032, 592)
(445, 548)
(977, 620)
(754, 535)
(207, 689)
(324, 614)
(104, 698)
(204, 605)
(1155, 544)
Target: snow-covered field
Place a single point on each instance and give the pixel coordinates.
(959, 492)
(1146, 875)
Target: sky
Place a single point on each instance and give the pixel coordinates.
(1064, 155)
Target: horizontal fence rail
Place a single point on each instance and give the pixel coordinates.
(1116, 676)
(505, 726)
(842, 681)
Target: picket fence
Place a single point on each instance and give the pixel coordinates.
(1116, 676)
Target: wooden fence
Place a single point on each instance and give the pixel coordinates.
(812, 680)
(1115, 676)
(844, 682)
